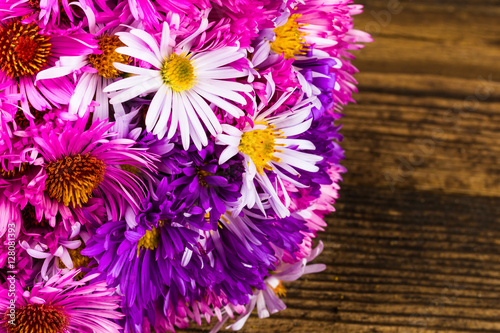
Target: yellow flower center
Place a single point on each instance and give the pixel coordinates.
(72, 179)
(23, 50)
(45, 318)
(150, 239)
(280, 290)
(289, 39)
(104, 62)
(178, 72)
(260, 145)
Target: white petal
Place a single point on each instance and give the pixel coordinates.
(202, 107)
(128, 94)
(175, 119)
(217, 89)
(152, 43)
(102, 111)
(66, 259)
(227, 153)
(220, 73)
(126, 83)
(76, 100)
(38, 254)
(155, 107)
(213, 59)
(162, 126)
(165, 40)
(178, 107)
(201, 112)
(228, 140)
(231, 130)
(140, 54)
(302, 144)
(226, 106)
(136, 70)
(194, 120)
(88, 96)
(297, 129)
(261, 53)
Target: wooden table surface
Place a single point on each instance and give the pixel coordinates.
(414, 245)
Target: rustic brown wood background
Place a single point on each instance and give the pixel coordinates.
(415, 243)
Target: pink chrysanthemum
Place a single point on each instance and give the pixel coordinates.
(327, 28)
(61, 305)
(80, 163)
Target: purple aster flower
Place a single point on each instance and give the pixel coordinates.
(318, 78)
(207, 184)
(158, 257)
(241, 256)
(62, 304)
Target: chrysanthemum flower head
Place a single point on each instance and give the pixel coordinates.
(26, 49)
(183, 83)
(81, 163)
(269, 146)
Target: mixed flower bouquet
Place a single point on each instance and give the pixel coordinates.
(165, 160)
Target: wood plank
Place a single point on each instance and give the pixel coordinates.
(453, 40)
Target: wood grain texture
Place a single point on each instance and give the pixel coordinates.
(414, 245)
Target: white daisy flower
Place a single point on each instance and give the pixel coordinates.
(184, 83)
(267, 145)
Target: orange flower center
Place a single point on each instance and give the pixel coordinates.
(23, 50)
(43, 318)
(72, 179)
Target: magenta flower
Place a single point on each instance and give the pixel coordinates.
(62, 304)
(81, 163)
